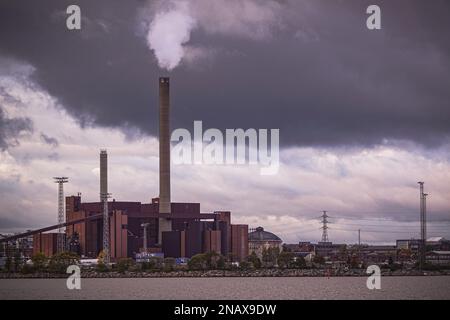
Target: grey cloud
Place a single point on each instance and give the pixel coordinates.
(53, 156)
(11, 128)
(16, 213)
(49, 140)
(322, 77)
(11, 223)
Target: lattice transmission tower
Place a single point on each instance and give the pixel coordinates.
(61, 246)
(325, 227)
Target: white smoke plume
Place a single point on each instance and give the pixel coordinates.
(169, 31)
(172, 22)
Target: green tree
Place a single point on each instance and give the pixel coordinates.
(254, 260)
(18, 260)
(124, 264)
(27, 269)
(9, 263)
(390, 261)
(298, 263)
(270, 256)
(343, 252)
(198, 262)
(39, 261)
(213, 259)
(169, 264)
(145, 266)
(354, 262)
(319, 259)
(231, 257)
(245, 265)
(155, 263)
(60, 261)
(221, 263)
(101, 267)
(285, 259)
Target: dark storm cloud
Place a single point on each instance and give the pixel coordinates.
(322, 77)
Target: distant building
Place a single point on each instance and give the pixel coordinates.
(408, 244)
(330, 250)
(302, 249)
(432, 244)
(45, 243)
(378, 254)
(23, 245)
(239, 241)
(207, 236)
(258, 240)
(302, 246)
(438, 243)
(438, 257)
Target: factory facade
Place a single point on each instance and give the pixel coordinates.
(192, 232)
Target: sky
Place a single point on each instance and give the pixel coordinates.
(363, 114)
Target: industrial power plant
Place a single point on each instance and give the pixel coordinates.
(115, 230)
(125, 229)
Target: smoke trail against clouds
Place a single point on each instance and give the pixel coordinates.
(172, 22)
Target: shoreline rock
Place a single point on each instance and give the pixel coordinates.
(225, 273)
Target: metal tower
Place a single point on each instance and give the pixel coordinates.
(106, 249)
(325, 227)
(60, 238)
(425, 195)
(423, 227)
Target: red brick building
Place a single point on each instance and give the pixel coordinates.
(192, 231)
(45, 243)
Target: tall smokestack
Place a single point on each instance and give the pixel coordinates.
(164, 155)
(103, 173)
(104, 200)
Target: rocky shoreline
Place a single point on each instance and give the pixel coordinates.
(227, 273)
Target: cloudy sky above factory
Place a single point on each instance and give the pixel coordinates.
(363, 114)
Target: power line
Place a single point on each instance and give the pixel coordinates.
(343, 217)
(390, 226)
(378, 231)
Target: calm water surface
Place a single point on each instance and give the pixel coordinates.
(229, 288)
